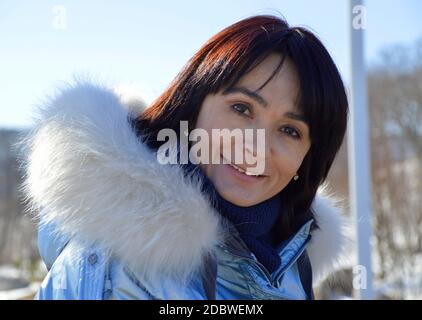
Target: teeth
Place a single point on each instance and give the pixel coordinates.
(243, 171)
(238, 168)
(252, 174)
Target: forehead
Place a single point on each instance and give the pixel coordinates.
(281, 90)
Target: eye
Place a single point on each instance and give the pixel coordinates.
(242, 109)
(291, 131)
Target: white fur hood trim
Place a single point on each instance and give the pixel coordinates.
(86, 165)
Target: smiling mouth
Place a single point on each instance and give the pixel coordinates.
(240, 169)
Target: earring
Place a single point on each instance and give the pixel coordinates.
(296, 177)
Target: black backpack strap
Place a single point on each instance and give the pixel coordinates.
(209, 277)
(305, 274)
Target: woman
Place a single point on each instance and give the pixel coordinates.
(116, 223)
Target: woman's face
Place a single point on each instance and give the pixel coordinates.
(273, 109)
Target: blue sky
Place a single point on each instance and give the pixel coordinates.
(144, 44)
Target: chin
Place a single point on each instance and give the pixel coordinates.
(241, 198)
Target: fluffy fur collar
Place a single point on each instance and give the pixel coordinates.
(101, 184)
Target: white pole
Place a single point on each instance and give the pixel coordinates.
(358, 153)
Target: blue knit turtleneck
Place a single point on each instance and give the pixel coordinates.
(253, 223)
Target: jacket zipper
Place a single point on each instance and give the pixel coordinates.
(242, 254)
(278, 273)
(256, 262)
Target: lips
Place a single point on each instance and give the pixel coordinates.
(244, 172)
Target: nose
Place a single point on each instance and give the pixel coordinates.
(258, 144)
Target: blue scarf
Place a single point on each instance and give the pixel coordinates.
(253, 223)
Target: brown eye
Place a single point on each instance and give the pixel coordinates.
(242, 109)
(291, 132)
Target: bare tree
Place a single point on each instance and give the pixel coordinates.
(395, 100)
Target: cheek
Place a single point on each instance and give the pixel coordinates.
(288, 161)
(209, 119)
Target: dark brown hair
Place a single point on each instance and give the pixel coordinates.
(230, 54)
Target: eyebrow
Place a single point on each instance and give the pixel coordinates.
(249, 93)
(296, 116)
(263, 102)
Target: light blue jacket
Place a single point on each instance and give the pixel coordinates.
(91, 275)
(117, 224)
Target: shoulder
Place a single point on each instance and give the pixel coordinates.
(78, 272)
(101, 184)
(332, 241)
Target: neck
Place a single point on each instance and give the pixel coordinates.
(254, 223)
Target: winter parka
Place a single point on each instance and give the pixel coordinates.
(116, 224)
